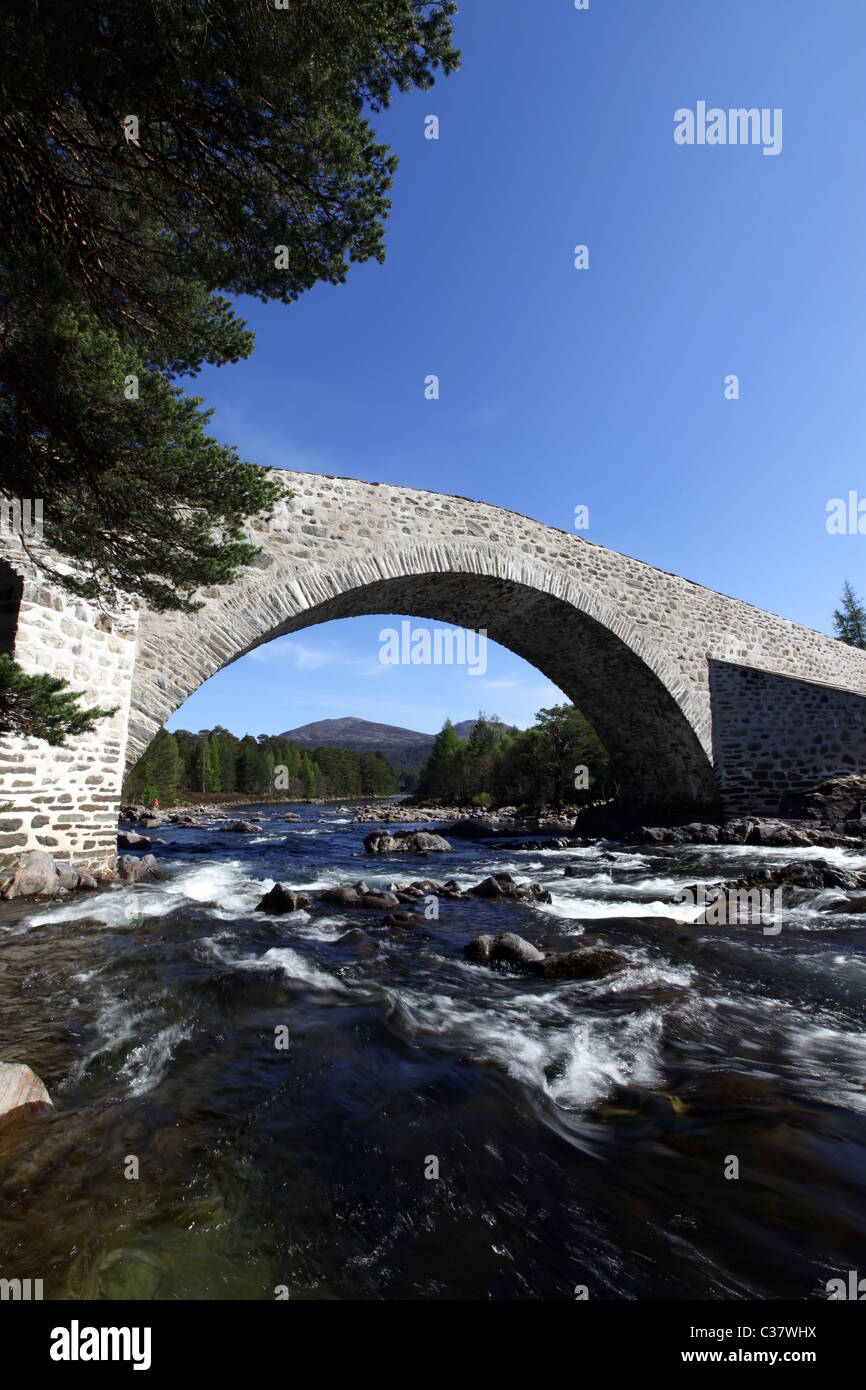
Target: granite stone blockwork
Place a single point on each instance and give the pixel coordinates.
(662, 666)
(773, 734)
(631, 645)
(65, 799)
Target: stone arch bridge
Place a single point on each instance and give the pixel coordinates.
(701, 700)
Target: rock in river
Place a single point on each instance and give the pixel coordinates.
(400, 919)
(20, 1086)
(36, 874)
(405, 842)
(504, 886)
(131, 870)
(130, 839)
(584, 963)
(479, 950)
(281, 898)
(507, 948)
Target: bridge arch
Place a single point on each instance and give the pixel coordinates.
(652, 727)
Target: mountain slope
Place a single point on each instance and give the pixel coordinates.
(359, 735)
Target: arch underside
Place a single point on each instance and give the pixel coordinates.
(655, 752)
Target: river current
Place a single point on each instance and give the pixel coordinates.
(583, 1132)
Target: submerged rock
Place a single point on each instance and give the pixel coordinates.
(853, 903)
(20, 1086)
(400, 919)
(479, 950)
(583, 963)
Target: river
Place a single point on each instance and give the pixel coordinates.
(582, 1131)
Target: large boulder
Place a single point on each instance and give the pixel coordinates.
(19, 1086)
(777, 832)
(505, 949)
(423, 842)
(583, 963)
(342, 895)
(132, 870)
(291, 815)
(836, 800)
(513, 950)
(406, 842)
(239, 827)
(280, 899)
(35, 876)
(359, 895)
(132, 840)
(379, 898)
(490, 887)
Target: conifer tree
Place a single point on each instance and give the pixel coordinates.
(849, 621)
(156, 157)
(42, 706)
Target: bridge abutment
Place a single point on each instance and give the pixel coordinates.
(65, 800)
(775, 735)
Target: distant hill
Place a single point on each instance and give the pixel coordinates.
(405, 749)
(359, 735)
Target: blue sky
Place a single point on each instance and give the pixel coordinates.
(605, 386)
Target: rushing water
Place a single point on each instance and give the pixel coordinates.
(582, 1129)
